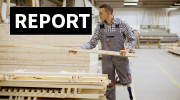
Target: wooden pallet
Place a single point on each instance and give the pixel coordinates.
(26, 85)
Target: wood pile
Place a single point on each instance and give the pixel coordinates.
(173, 48)
(43, 60)
(169, 45)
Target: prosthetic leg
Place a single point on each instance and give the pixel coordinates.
(130, 92)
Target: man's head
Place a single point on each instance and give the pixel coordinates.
(105, 11)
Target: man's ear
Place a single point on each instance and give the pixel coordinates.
(109, 13)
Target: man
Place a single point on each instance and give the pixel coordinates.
(112, 32)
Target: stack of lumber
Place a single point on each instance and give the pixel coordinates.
(44, 60)
(170, 45)
(174, 50)
(43, 86)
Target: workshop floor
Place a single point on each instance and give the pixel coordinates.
(155, 75)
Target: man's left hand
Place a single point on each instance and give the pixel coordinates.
(123, 52)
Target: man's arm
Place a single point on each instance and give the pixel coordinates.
(130, 36)
(94, 40)
(92, 43)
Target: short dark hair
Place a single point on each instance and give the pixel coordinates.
(107, 8)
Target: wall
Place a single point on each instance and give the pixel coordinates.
(175, 22)
(134, 18)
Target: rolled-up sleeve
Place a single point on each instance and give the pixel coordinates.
(129, 35)
(94, 40)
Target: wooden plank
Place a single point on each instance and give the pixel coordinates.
(149, 44)
(63, 79)
(4, 32)
(29, 45)
(104, 52)
(174, 51)
(48, 43)
(1, 3)
(63, 40)
(4, 26)
(157, 3)
(48, 64)
(7, 28)
(37, 3)
(41, 66)
(8, 7)
(33, 56)
(154, 6)
(0, 19)
(159, 44)
(57, 99)
(33, 3)
(53, 74)
(25, 39)
(50, 84)
(81, 50)
(40, 98)
(0, 12)
(150, 38)
(56, 58)
(157, 0)
(27, 51)
(60, 82)
(100, 98)
(55, 70)
(54, 95)
(176, 48)
(24, 56)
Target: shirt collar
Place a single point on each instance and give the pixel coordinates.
(113, 21)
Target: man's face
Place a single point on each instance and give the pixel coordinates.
(103, 14)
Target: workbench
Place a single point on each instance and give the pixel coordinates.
(151, 38)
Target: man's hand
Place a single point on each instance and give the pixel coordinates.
(73, 51)
(123, 52)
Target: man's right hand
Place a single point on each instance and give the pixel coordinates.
(73, 51)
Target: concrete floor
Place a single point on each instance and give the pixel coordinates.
(155, 75)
